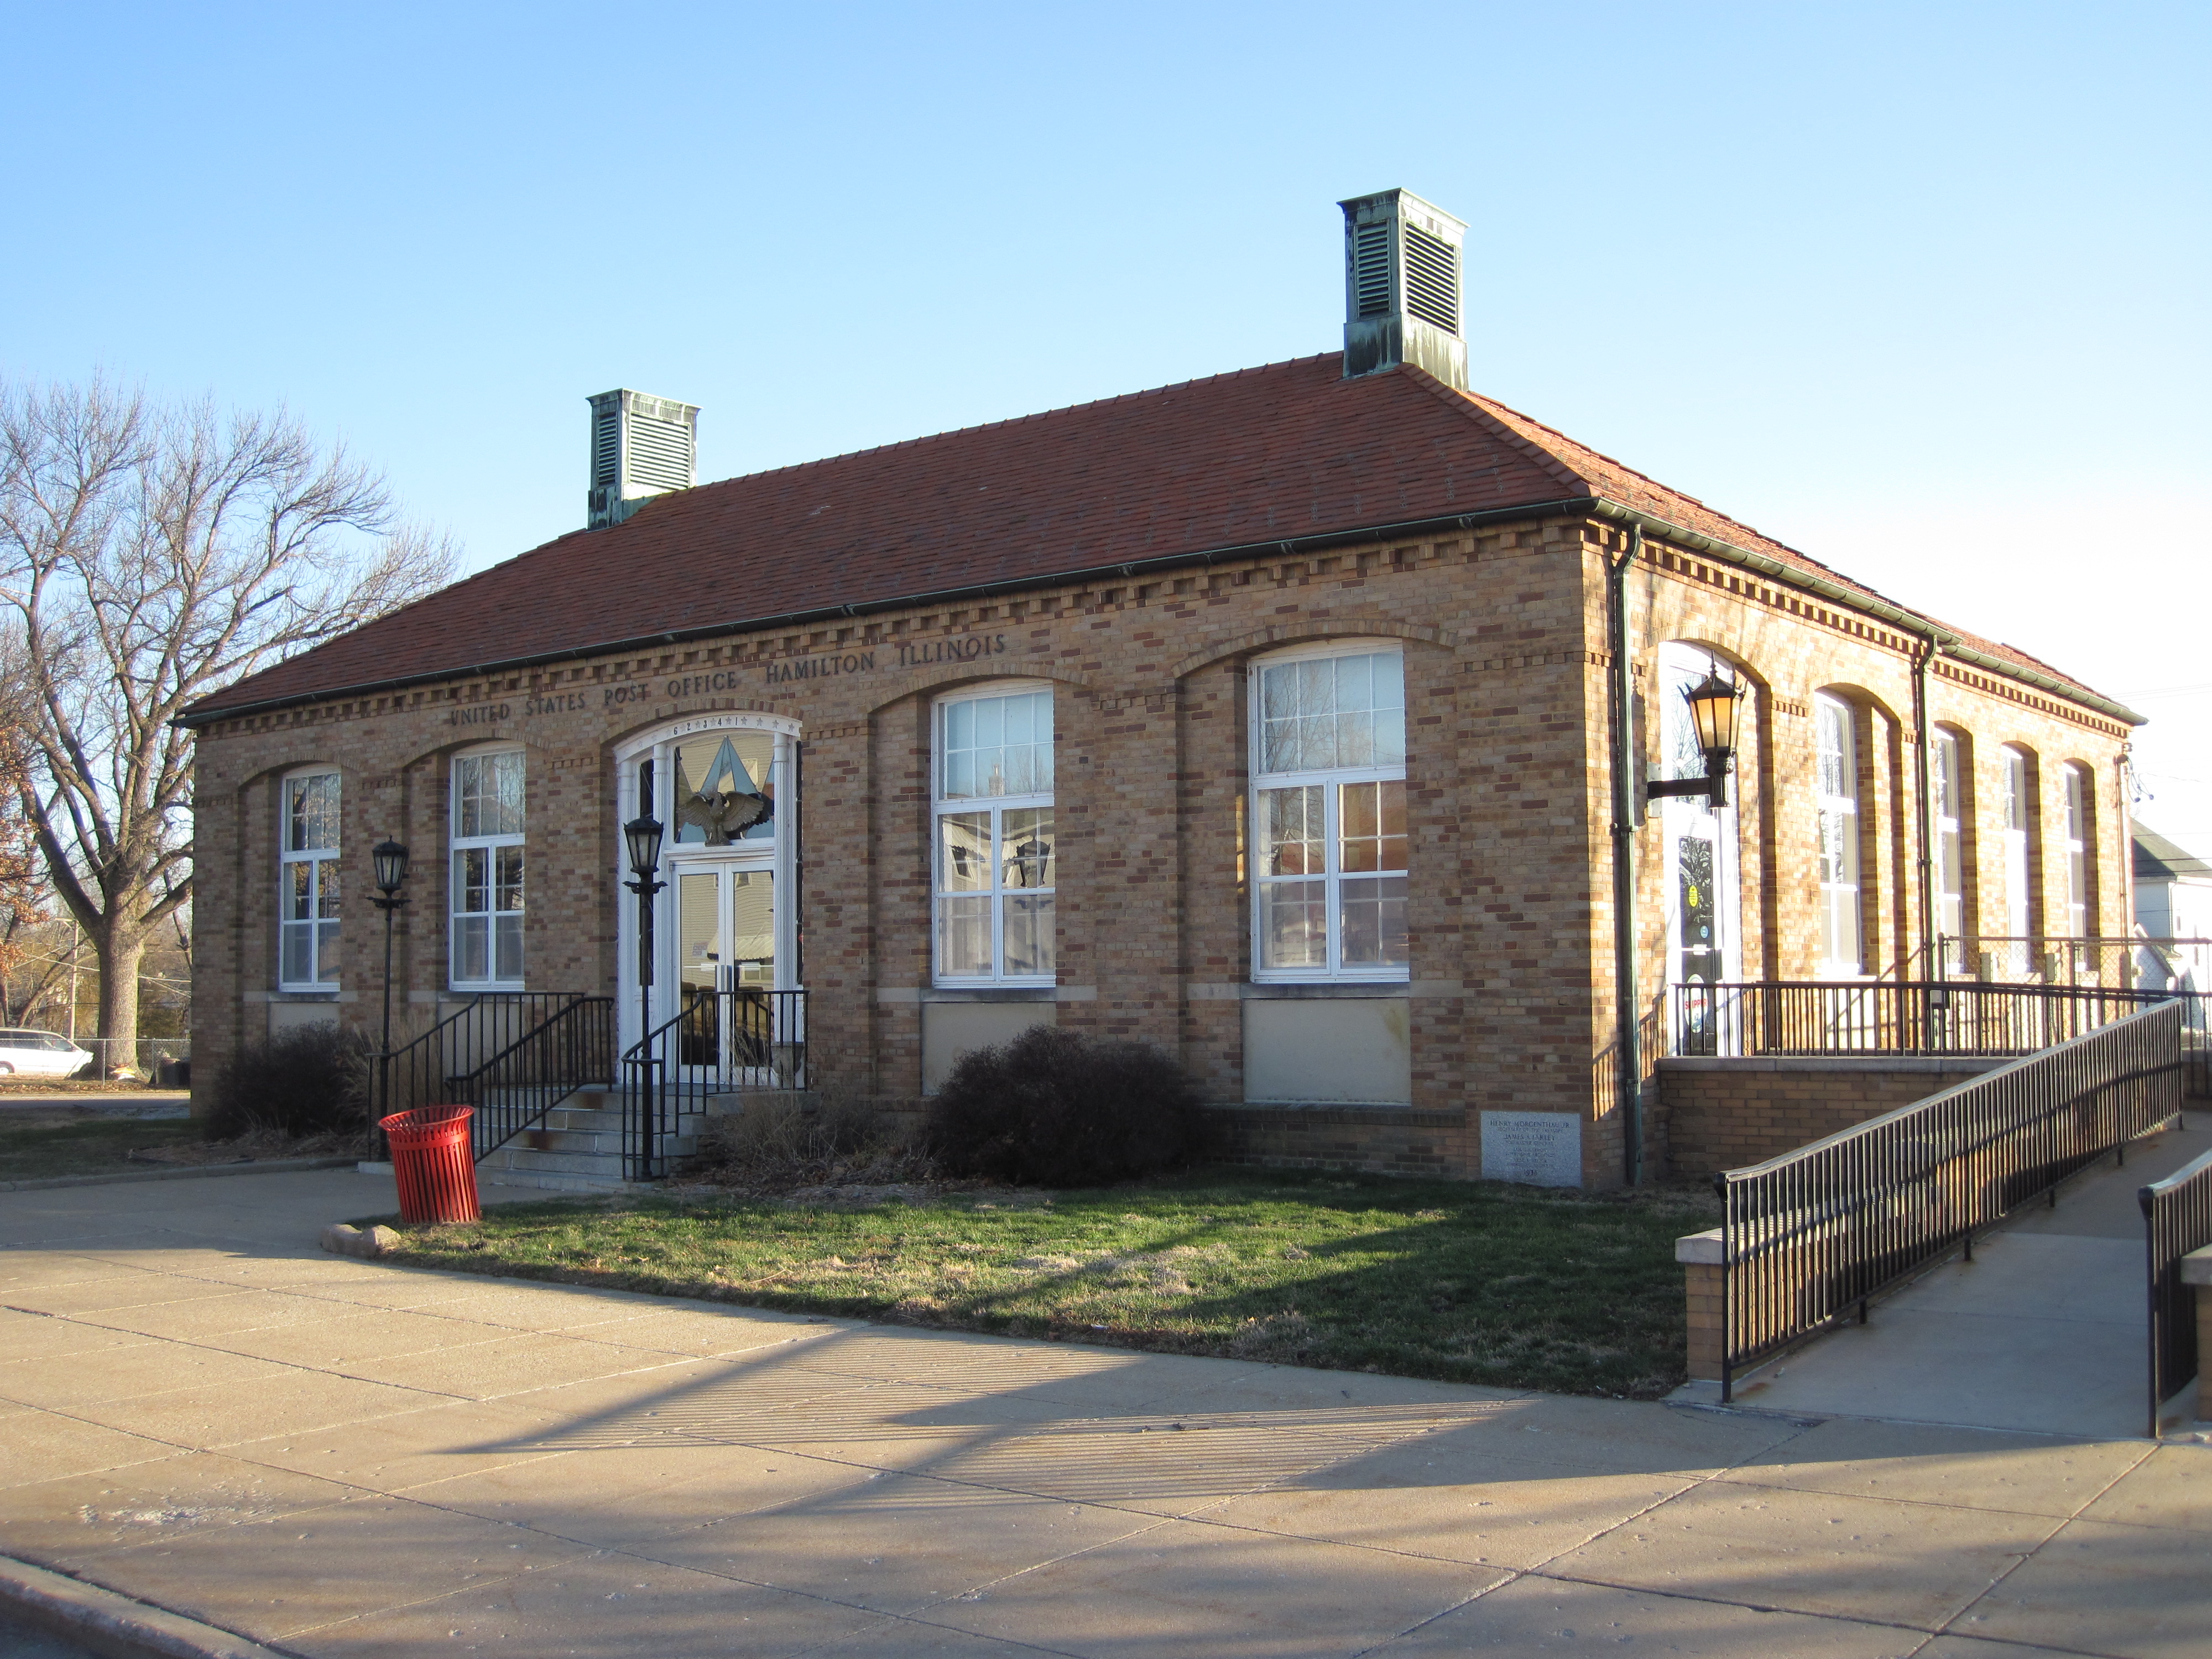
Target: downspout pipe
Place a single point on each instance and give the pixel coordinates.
(1627, 818)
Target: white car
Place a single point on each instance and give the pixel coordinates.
(40, 1054)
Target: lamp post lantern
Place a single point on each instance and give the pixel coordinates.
(389, 859)
(1714, 704)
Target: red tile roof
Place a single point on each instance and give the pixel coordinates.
(1288, 451)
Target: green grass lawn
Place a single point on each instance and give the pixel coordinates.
(1514, 1287)
(34, 1153)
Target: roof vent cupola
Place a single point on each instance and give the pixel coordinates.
(1401, 286)
(641, 446)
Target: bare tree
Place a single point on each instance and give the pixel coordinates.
(149, 556)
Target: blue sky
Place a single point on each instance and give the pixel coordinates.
(1918, 288)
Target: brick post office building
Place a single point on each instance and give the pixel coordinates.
(1275, 719)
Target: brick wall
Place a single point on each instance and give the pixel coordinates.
(1725, 1114)
(1378, 1137)
(1502, 630)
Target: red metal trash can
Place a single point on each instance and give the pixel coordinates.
(434, 1159)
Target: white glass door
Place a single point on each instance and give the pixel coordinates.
(723, 946)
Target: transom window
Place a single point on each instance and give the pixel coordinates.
(1838, 787)
(995, 866)
(487, 859)
(308, 930)
(1329, 815)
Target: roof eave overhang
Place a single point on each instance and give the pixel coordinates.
(1774, 569)
(1865, 603)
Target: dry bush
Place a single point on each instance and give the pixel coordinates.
(1053, 1108)
(832, 1139)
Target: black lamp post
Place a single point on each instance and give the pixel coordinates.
(390, 859)
(1713, 705)
(641, 837)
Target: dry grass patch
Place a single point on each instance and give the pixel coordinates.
(1476, 1283)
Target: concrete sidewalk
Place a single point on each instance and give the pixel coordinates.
(2046, 1330)
(341, 1458)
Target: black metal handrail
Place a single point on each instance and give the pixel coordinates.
(2177, 1220)
(1923, 1016)
(513, 1090)
(1809, 1236)
(421, 1072)
(721, 1042)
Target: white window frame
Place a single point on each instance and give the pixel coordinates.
(2077, 850)
(1944, 779)
(996, 807)
(1332, 782)
(2018, 807)
(491, 846)
(321, 931)
(1836, 850)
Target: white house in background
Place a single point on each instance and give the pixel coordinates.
(2173, 901)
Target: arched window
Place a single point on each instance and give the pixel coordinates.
(307, 839)
(994, 862)
(1947, 785)
(1328, 811)
(486, 950)
(2017, 810)
(2080, 907)
(1841, 956)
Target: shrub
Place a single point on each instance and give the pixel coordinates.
(1055, 1108)
(313, 1080)
(834, 1139)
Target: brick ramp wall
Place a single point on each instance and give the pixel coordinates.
(1725, 1114)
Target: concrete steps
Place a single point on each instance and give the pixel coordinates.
(576, 1147)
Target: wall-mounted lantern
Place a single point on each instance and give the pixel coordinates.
(1714, 704)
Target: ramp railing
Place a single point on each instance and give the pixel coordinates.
(2177, 1220)
(1808, 1237)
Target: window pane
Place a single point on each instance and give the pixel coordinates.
(312, 812)
(299, 948)
(1026, 860)
(964, 853)
(470, 948)
(1372, 819)
(508, 933)
(506, 863)
(327, 951)
(963, 936)
(1332, 711)
(326, 889)
(471, 887)
(300, 893)
(1294, 924)
(1834, 742)
(1029, 934)
(1374, 921)
(995, 746)
(1291, 832)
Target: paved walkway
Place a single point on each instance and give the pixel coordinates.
(2046, 1329)
(198, 1408)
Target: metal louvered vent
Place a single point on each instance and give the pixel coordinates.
(1431, 279)
(606, 445)
(1371, 269)
(660, 454)
(641, 446)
